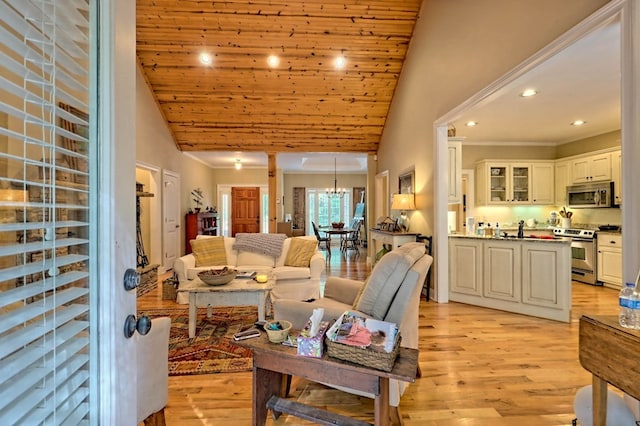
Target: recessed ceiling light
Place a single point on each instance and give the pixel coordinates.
(471, 123)
(340, 62)
(273, 61)
(529, 92)
(205, 58)
(578, 123)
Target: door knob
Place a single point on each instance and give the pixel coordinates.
(131, 279)
(131, 324)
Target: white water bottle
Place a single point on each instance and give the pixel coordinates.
(628, 303)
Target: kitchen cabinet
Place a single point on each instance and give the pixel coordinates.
(548, 265)
(542, 183)
(501, 274)
(616, 176)
(466, 277)
(609, 259)
(525, 276)
(591, 168)
(562, 180)
(455, 170)
(503, 183)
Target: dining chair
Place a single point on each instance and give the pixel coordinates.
(326, 239)
(352, 240)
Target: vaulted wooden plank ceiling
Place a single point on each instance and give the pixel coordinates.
(305, 104)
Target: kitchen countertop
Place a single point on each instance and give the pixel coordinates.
(555, 240)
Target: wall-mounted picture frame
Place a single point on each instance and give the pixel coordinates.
(406, 183)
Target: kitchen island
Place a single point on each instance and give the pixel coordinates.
(530, 276)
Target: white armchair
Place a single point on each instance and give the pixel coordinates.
(153, 372)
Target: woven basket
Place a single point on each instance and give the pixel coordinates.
(379, 360)
(169, 289)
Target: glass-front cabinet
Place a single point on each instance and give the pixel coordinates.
(498, 186)
(520, 183)
(503, 183)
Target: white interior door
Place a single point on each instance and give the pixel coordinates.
(171, 213)
(70, 231)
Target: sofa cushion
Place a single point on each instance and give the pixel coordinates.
(209, 251)
(248, 260)
(291, 273)
(300, 252)
(386, 278)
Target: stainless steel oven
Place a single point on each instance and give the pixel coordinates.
(583, 254)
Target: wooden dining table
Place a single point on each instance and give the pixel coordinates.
(343, 232)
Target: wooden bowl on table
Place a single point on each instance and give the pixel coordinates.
(218, 276)
(337, 225)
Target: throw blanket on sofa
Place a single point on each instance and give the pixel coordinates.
(267, 244)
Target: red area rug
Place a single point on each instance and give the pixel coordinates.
(212, 350)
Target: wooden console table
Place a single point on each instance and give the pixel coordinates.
(610, 353)
(394, 239)
(273, 364)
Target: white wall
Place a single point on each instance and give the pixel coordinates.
(155, 147)
(459, 47)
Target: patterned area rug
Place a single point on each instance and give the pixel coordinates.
(212, 349)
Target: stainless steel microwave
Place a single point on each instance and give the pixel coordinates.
(590, 195)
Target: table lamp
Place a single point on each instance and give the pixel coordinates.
(403, 202)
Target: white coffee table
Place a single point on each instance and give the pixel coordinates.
(239, 292)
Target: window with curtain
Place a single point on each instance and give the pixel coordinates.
(45, 178)
(323, 209)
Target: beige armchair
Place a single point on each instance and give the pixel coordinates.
(391, 293)
(153, 372)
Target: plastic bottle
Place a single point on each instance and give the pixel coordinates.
(496, 232)
(627, 302)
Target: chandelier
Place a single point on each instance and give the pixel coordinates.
(335, 191)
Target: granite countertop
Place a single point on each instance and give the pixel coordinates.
(555, 240)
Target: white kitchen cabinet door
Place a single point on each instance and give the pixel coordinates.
(562, 180)
(609, 259)
(502, 271)
(520, 184)
(542, 183)
(592, 168)
(544, 276)
(465, 266)
(499, 178)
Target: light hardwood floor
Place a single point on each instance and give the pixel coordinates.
(479, 367)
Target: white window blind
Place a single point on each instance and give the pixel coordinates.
(44, 211)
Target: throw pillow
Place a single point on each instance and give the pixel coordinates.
(300, 252)
(209, 251)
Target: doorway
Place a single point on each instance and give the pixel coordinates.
(245, 208)
(151, 213)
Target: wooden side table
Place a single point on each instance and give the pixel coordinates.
(273, 363)
(610, 353)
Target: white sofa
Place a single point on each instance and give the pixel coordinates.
(298, 283)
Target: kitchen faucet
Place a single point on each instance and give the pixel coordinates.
(521, 229)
